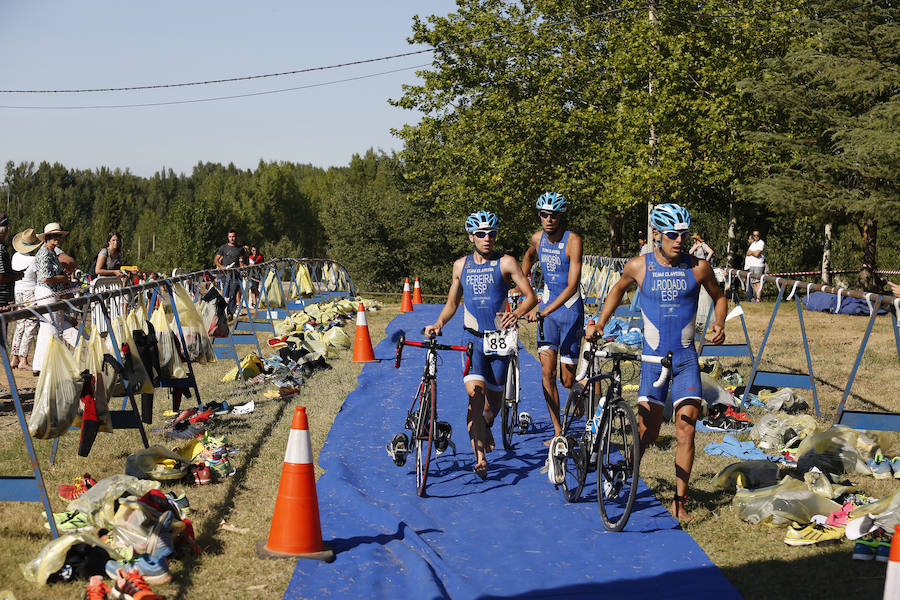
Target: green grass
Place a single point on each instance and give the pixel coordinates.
(229, 566)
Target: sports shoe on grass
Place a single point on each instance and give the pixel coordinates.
(864, 550)
(881, 468)
(82, 484)
(181, 503)
(202, 474)
(132, 584)
(96, 589)
(839, 518)
(883, 551)
(807, 534)
(895, 466)
(738, 416)
(69, 522)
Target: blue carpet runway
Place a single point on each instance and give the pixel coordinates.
(510, 536)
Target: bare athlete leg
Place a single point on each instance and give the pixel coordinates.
(551, 394)
(492, 402)
(650, 416)
(476, 426)
(685, 422)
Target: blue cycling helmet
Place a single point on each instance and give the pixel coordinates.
(670, 217)
(482, 220)
(551, 201)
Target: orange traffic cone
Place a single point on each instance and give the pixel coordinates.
(362, 345)
(892, 577)
(417, 293)
(406, 303)
(296, 531)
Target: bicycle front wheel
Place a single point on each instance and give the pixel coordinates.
(509, 410)
(425, 429)
(618, 460)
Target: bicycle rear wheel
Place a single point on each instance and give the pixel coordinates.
(618, 460)
(509, 410)
(576, 464)
(425, 427)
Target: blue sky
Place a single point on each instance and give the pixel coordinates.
(60, 45)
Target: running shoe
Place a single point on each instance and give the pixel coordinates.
(133, 584)
(738, 416)
(883, 551)
(839, 518)
(864, 550)
(69, 522)
(881, 468)
(180, 502)
(807, 534)
(895, 466)
(524, 422)
(96, 589)
(82, 484)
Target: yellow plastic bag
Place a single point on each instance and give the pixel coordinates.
(56, 398)
(138, 374)
(89, 357)
(274, 290)
(172, 366)
(52, 556)
(156, 462)
(336, 339)
(251, 366)
(199, 346)
(304, 282)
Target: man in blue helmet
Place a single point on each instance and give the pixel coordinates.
(562, 309)
(481, 280)
(669, 281)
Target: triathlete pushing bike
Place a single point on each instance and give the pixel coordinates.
(559, 252)
(669, 282)
(481, 280)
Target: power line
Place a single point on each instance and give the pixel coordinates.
(215, 99)
(321, 68)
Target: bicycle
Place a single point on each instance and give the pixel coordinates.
(511, 420)
(610, 441)
(421, 419)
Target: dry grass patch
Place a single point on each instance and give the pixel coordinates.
(754, 558)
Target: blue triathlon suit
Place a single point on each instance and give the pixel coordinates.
(564, 327)
(484, 295)
(668, 298)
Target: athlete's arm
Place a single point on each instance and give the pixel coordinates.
(704, 275)
(510, 269)
(453, 298)
(709, 252)
(529, 258)
(573, 253)
(632, 273)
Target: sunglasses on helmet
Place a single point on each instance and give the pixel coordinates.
(482, 233)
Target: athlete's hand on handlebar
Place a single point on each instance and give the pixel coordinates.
(432, 330)
(508, 319)
(532, 317)
(718, 334)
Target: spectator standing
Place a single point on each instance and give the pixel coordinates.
(644, 247)
(701, 249)
(8, 277)
(755, 262)
(52, 279)
(24, 243)
(254, 257)
(229, 256)
(109, 259)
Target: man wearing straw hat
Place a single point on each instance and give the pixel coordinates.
(24, 243)
(52, 278)
(8, 277)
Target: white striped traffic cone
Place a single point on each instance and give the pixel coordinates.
(296, 531)
(892, 577)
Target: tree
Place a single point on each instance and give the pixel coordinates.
(833, 147)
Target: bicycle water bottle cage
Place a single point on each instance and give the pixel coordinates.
(442, 435)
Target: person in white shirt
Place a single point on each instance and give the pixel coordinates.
(25, 243)
(755, 262)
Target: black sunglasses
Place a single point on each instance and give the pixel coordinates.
(480, 234)
(544, 214)
(674, 235)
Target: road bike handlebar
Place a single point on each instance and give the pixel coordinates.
(665, 361)
(431, 343)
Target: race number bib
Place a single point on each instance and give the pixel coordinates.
(501, 342)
